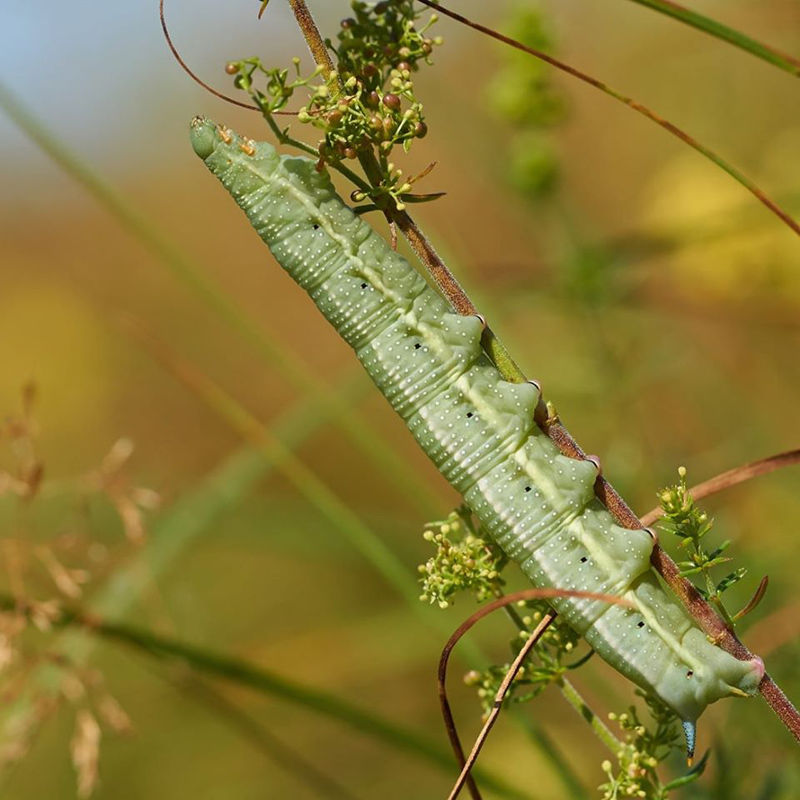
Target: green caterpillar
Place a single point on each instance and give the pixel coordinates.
(478, 429)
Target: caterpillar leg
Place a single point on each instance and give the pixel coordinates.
(690, 732)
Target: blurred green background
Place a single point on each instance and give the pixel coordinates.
(655, 299)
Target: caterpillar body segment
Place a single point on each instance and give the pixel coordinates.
(478, 429)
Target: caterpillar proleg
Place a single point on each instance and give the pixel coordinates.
(478, 429)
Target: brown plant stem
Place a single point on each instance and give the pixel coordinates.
(314, 41)
(466, 772)
(193, 75)
(708, 619)
(733, 477)
(506, 601)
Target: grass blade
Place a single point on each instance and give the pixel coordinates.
(368, 440)
(265, 682)
(725, 33)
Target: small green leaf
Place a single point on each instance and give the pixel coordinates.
(692, 775)
(757, 597)
(729, 580)
(687, 572)
(721, 549)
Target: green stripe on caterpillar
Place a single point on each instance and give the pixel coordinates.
(478, 429)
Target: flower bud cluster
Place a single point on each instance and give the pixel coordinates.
(368, 104)
(464, 562)
(686, 520)
(278, 89)
(643, 750)
(543, 667)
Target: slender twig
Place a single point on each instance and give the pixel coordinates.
(193, 75)
(695, 604)
(466, 772)
(506, 601)
(315, 42)
(727, 34)
(668, 126)
(733, 477)
(570, 693)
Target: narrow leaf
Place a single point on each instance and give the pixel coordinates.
(692, 775)
(729, 580)
(755, 600)
(730, 35)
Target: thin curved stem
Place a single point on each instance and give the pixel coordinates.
(469, 764)
(190, 72)
(668, 126)
(568, 690)
(733, 477)
(507, 601)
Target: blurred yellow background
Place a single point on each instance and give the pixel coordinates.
(654, 298)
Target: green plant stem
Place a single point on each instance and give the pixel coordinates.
(708, 620)
(359, 430)
(571, 694)
(597, 725)
(284, 138)
(269, 683)
(730, 35)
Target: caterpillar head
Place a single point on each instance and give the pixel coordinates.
(203, 134)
